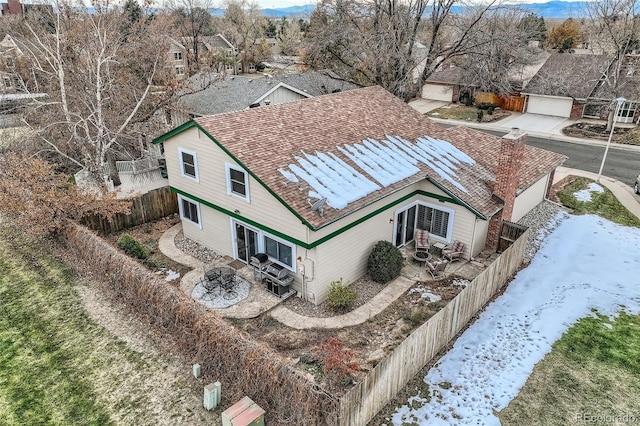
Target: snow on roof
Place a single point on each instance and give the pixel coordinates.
(383, 163)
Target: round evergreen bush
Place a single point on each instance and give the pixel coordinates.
(385, 262)
(132, 247)
(340, 297)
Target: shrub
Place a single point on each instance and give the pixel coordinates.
(340, 297)
(132, 247)
(480, 116)
(385, 262)
(337, 363)
(486, 105)
(490, 110)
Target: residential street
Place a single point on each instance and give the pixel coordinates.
(621, 164)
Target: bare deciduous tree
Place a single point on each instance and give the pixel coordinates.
(193, 21)
(244, 26)
(501, 52)
(374, 41)
(98, 80)
(289, 37)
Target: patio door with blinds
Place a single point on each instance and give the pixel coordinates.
(437, 220)
(246, 242)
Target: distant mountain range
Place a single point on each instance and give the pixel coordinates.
(552, 9)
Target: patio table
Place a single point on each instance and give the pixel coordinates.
(421, 256)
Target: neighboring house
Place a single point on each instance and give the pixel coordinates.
(10, 52)
(237, 93)
(448, 83)
(316, 183)
(627, 87)
(222, 54)
(14, 7)
(177, 59)
(577, 86)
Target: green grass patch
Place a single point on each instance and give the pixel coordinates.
(42, 329)
(604, 204)
(592, 371)
(58, 366)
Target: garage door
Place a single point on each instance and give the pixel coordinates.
(559, 107)
(437, 92)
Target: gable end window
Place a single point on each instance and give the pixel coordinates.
(188, 164)
(237, 181)
(190, 211)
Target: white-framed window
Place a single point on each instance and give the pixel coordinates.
(229, 67)
(188, 164)
(248, 241)
(279, 251)
(179, 70)
(435, 219)
(190, 211)
(177, 56)
(252, 67)
(237, 181)
(626, 112)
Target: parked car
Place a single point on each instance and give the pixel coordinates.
(636, 187)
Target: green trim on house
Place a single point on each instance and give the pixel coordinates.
(457, 200)
(327, 237)
(451, 199)
(265, 186)
(181, 128)
(244, 219)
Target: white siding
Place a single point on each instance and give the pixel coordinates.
(345, 256)
(282, 95)
(479, 236)
(529, 198)
(212, 187)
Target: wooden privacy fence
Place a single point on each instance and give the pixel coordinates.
(153, 205)
(506, 102)
(385, 380)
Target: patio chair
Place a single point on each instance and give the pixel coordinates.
(437, 268)
(421, 241)
(453, 252)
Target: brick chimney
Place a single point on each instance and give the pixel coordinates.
(507, 179)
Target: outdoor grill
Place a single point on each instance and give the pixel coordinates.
(277, 279)
(259, 262)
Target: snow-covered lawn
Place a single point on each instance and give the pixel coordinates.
(586, 263)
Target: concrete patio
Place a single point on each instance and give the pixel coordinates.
(260, 301)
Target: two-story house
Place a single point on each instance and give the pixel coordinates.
(316, 183)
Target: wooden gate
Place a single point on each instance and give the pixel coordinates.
(509, 232)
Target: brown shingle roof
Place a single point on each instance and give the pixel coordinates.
(484, 148)
(270, 138)
(627, 85)
(568, 75)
